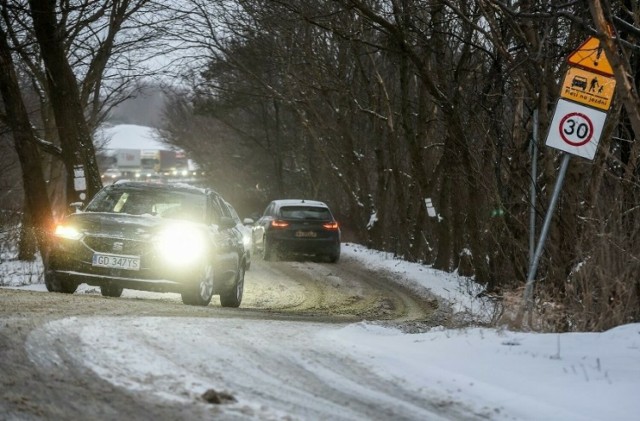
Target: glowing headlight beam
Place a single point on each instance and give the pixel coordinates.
(180, 244)
(247, 241)
(70, 233)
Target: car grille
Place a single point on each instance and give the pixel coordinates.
(116, 245)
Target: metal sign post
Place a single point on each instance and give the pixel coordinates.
(576, 127)
(528, 289)
(534, 181)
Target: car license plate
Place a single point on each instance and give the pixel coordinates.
(116, 261)
(306, 234)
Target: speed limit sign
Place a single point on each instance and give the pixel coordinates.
(576, 129)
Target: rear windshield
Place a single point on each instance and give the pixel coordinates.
(305, 212)
(165, 204)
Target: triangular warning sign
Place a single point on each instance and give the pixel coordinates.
(590, 56)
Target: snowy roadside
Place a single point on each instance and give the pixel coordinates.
(14, 273)
(461, 294)
(510, 375)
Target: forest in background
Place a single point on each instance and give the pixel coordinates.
(378, 106)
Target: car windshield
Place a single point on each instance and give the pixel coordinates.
(305, 212)
(136, 201)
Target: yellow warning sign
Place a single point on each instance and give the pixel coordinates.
(588, 88)
(591, 56)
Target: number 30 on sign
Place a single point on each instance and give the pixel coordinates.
(576, 129)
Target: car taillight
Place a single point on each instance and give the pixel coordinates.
(279, 224)
(331, 225)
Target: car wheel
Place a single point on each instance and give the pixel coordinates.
(48, 282)
(232, 296)
(111, 291)
(54, 284)
(200, 293)
(335, 256)
(269, 250)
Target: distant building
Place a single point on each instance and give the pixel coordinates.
(132, 151)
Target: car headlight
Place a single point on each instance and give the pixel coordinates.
(180, 244)
(68, 232)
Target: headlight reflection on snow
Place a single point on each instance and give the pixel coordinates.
(180, 244)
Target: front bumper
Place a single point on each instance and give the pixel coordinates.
(155, 285)
(71, 261)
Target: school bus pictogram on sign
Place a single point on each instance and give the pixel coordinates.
(588, 88)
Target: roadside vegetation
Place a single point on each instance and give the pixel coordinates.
(378, 108)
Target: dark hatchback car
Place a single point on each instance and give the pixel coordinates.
(297, 227)
(151, 237)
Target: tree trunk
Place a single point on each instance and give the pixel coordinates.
(623, 74)
(75, 137)
(28, 244)
(35, 187)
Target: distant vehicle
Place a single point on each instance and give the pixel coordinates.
(150, 177)
(298, 227)
(111, 174)
(151, 237)
(172, 161)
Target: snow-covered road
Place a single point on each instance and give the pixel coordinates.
(274, 369)
(304, 363)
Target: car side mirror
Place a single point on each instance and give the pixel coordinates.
(225, 222)
(248, 221)
(76, 206)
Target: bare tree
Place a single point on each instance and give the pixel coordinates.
(26, 145)
(78, 61)
(382, 104)
(619, 54)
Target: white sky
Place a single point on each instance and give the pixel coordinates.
(129, 136)
(307, 370)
